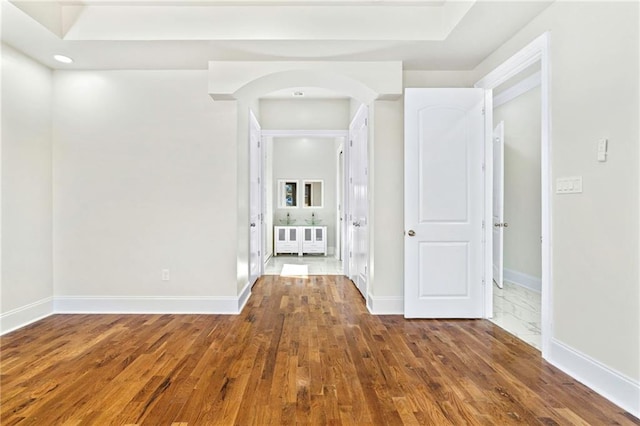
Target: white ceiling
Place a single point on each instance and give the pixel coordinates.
(156, 34)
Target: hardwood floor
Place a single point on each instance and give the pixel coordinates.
(302, 352)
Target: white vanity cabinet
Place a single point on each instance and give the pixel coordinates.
(314, 239)
(300, 240)
(287, 240)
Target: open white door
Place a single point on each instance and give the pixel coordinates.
(498, 204)
(358, 201)
(444, 143)
(255, 200)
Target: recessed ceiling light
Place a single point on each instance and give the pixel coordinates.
(298, 93)
(63, 59)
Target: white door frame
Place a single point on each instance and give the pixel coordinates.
(537, 50)
(340, 202)
(498, 221)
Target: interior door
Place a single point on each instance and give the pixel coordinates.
(255, 200)
(340, 203)
(444, 143)
(358, 204)
(498, 204)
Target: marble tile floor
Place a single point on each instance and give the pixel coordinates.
(317, 264)
(518, 310)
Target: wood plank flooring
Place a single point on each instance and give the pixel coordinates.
(304, 351)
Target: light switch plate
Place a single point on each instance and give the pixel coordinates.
(569, 185)
(602, 150)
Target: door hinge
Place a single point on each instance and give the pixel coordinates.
(350, 143)
(259, 253)
(483, 110)
(258, 180)
(483, 282)
(366, 121)
(258, 144)
(483, 224)
(350, 254)
(350, 180)
(484, 166)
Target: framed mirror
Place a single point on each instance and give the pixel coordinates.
(287, 193)
(313, 193)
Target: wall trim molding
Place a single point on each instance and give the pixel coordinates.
(518, 89)
(386, 305)
(616, 387)
(147, 305)
(25, 315)
(523, 280)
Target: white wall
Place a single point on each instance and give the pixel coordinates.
(27, 286)
(452, 78)
(307, 159)
(594, 93)
(522, 205)
(304, 114)
(387, 184)
(144, 180)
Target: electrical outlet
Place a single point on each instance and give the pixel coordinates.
(165, 275)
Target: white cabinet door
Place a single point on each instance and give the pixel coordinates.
(444, 142)
(286, 240)
(314, 239)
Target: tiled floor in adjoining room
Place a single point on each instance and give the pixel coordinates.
(517, 310)
(316, 264)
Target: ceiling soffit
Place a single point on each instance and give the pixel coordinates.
(256, 20)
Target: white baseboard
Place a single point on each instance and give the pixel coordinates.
(147, 305)
(614, 386)
(523, 280)
(25, 315)
(244, 297)
(386, 305)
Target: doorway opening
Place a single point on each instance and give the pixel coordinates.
(302, 208)
(517, 252)
(314, 187)
(526, 63)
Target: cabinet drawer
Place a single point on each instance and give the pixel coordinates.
(287, 247)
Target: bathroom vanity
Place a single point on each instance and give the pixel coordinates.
(309, 239)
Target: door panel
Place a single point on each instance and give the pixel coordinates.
(444, 142)
(440, 271)
(498, 204)
(443, 159)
